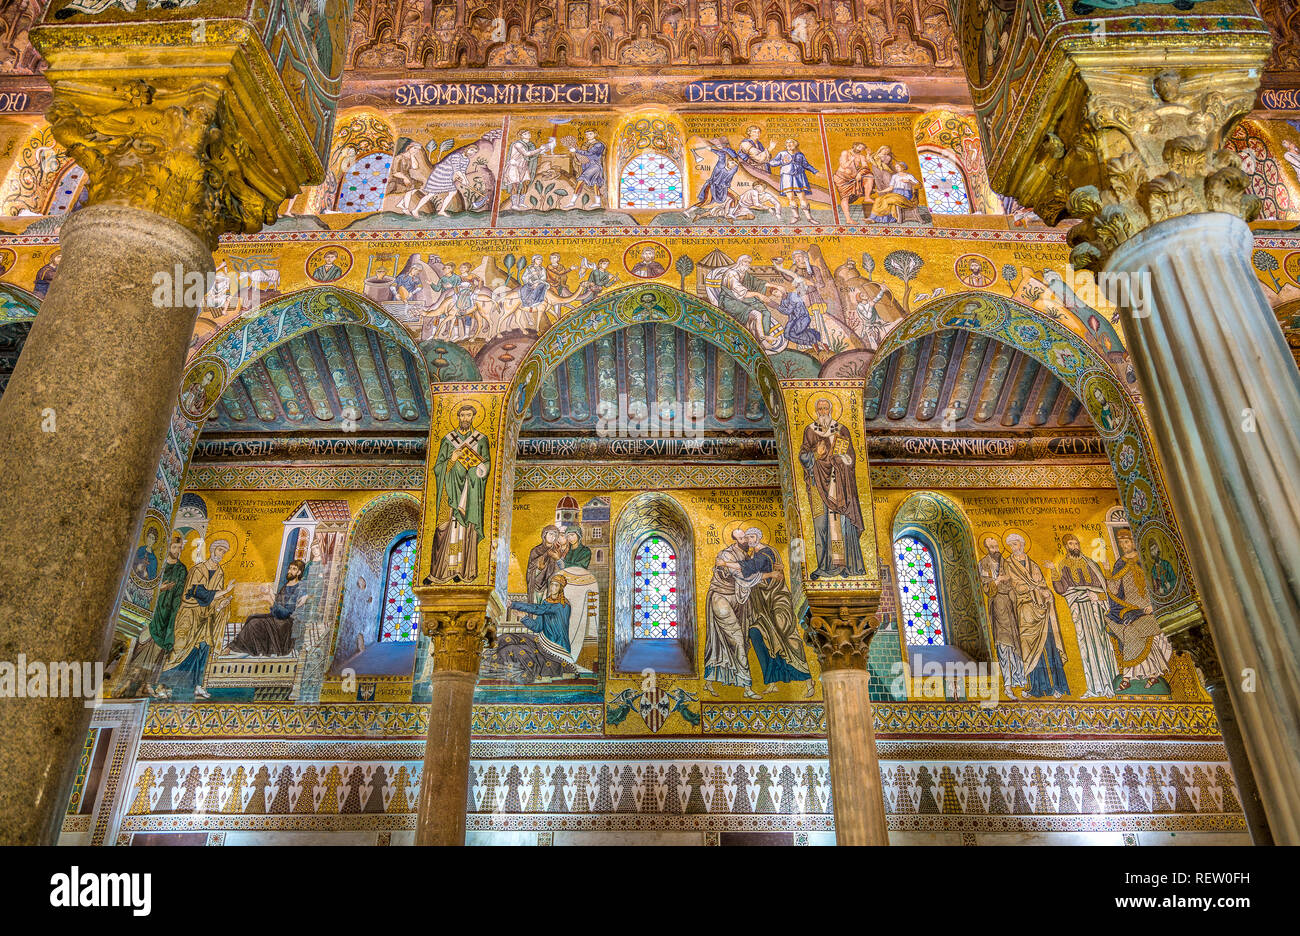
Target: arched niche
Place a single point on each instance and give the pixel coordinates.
(647, 305)
(356, 646)
(940, 523)
(645, 516)
(225, 356)
(1116, 416)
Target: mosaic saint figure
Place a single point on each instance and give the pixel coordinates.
(829, 464)
(461, 475)
(1162, 570)
(592, 175)
(543, 560)
(557, 276)
(1082, 583)
(726, 621)
(773, 634)
(794, 167)
(852, 177)
(718, 185)
(578, 554)
(445, 180)
(1002, 615)
(549, 618)
(155, 647)
(329, 269)
(200, 621)
(742, 294)
(751, 150)
(648, 266)
(1040, 632)
(1144, 650)
(521, 166)
(145, 564)
(271, 634)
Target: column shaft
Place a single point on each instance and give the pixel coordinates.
(444, 788)
(1223, 395)
(855, 770)
(82, 425)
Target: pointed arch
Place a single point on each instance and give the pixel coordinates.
(16, 304)
(1118, 419)
(227, 355)
(942, 524)
(648, 304)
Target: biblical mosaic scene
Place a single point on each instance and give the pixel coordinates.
(698, 382)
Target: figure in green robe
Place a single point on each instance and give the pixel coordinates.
(578, 554)
(461, 474)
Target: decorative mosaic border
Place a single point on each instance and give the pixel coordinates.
(770, 793)
(1021, 720)
(562, 477)
(305, 477)
(680, 748)
(425, 235)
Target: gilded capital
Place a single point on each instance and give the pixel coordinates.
(1147, 146)
(457, 637)
(1195, 640)
(172, 149)
(841, 635)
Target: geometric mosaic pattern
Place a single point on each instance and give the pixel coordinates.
(770, 793)
(401, 621)
(945, 188)
(654, 591)
(918, 593)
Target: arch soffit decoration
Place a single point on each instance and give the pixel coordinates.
(1118, 420)
(17, 305)
(943, 522)
(651, 304)
(242, 343)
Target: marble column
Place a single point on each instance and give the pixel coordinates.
(456, 641)
(1223, 395)
(82, 425)
(181, 142)
(841, 635)
(1195, 640)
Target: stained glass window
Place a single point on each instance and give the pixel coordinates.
(654, 591)
(363, 186)
(945, 186)
(650, 180)
(401, 615)
(918, 593)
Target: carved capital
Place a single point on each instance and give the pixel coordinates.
(1195, 640)
(174, 151)
(1147, 145)
(457, 637)
(841, 635)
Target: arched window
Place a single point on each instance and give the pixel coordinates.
(650, 156)
(650, 181)
(363, 186)
(399, 619)
(945, 184)
(654, 591)
(918, 593)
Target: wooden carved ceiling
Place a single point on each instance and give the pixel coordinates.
(964, 383)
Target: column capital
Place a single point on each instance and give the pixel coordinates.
(840, 632)
(457, 637)
(212, 122)
(170, 148)
(1146, 146)
(1193, 638)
